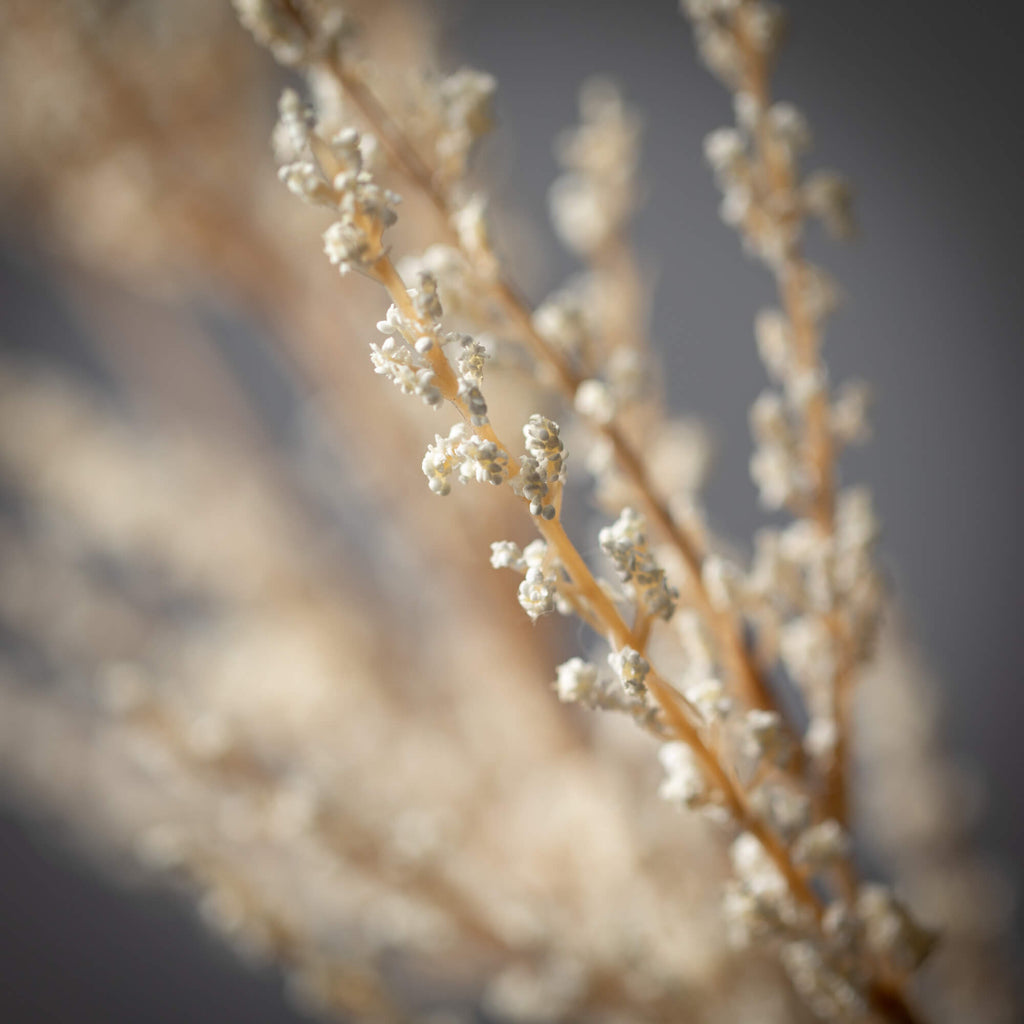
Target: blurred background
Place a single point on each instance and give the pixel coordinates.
(919, 109)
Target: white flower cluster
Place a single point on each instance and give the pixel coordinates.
(595, 400)
(457, 289)
(543, 465)
(828, 971)
(826, 961)
(466, 456)
(827, 196)
(890, 932)
(403, 363)
(697, 679)
(335, 173)
(848, 417)
(578, 682)
(821, 846)
(593, 200)
(292, 136)
(684, 782)
(354, 241)
(470, 223)
(777, 465)
(291, 41)
(538, 593)
(631, 669)
(771, 218)
(785, 809)
(563, 318)
(719, 46)
(625, 543)
(758, 903)
(470, 367)
(803, 585)
(823, 981)
(465, 99)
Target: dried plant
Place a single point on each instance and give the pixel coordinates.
(362, 777)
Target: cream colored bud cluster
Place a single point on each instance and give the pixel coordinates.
(470, 366)
(466, 456)
(336, 173)
(354, 241)
(625, 543)
(830, 973)
(768, 216)
(563, 319)
(756, 168)
(719, 45)
(542, 468)
(827, 961)
(827, 196)
(779, 465)
(581, 682)
(464, 100)
(759, 905)
(817, 599)
(295, 33)
(457, 288)
(592, 202)
(538, 593)
(697, 678)
(402, 357)
(631, 669)
(614, 686)
(684, 782)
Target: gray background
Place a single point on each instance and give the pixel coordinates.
(919, 106)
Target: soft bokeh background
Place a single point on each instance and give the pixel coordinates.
(919, 110)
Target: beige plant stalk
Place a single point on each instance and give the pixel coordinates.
(359, 767)
(728, 758)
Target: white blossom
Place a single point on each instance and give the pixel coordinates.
(507, 555)
(708, 696)
(594, 400)
(684, 782)
(725, 151)
(467, 456)
(591, 202)
(774, 342)
(821, 845)
(577, 681)
(465, 99)
(625, 543)
(809, 651)
(405, 368)
(631, 668)
(537, 593)
(785, 809)
(789, 128)
(890, 933)
(848, 415)
(827, 195)
(470, 225)
(544, 444)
